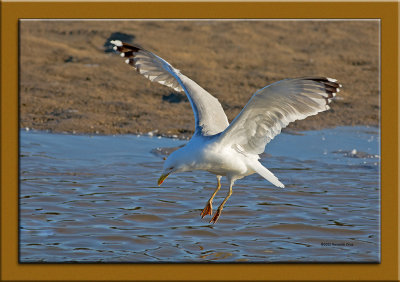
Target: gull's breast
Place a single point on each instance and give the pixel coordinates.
(225, 161)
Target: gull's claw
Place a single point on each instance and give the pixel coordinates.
(207, 209)
(216, 216)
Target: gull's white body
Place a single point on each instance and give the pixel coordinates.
(203, 153)
(206, 153)
(232, 150)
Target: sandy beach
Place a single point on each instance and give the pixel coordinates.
(70, 80)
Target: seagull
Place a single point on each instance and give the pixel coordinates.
(231, 150)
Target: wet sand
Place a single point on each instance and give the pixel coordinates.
(71, 82)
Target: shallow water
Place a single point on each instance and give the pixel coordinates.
(95, 199)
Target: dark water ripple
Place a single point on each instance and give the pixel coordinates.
(95, 199)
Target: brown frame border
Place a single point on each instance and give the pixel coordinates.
(387, 270)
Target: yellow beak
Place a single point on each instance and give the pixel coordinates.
(162, 178)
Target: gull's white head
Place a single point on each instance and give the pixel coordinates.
(178, 161)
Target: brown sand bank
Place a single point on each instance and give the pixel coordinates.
(70, 83)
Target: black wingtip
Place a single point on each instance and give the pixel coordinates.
(331, 85)
(126, 49)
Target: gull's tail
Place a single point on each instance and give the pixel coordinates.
(264, 172)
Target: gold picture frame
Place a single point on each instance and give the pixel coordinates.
(12, 12)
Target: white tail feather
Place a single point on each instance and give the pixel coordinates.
(264, 172)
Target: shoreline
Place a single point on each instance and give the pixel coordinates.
(178, 137)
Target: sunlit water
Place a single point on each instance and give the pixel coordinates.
(95, 199)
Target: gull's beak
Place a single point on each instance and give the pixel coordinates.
(162, 178)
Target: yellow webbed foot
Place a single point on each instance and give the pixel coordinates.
(207, 209)
(216, 216)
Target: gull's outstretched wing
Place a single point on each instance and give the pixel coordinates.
(209, 116)
(274, 107)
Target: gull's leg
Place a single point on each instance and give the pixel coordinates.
(208, 208)
(219, 210)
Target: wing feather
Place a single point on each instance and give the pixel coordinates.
(209, 115)
(273, 107)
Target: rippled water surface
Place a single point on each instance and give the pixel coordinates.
(95, 199)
